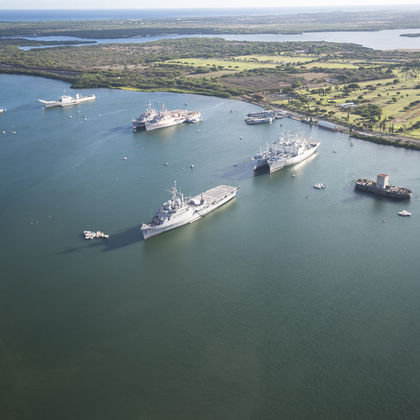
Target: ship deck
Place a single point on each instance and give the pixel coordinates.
(218, 193)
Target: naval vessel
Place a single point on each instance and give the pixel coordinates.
(282, 153)
(144, 117)
(382, 187)
(180, 210)
(152, 119)
(258, 120)
(67, 100)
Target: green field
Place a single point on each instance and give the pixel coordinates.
(278, 59)
(396, 97)
(233, 64)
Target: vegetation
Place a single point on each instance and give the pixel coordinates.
(275, 24)
(316, 79)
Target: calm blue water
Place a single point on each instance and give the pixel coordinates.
(286, 303)
(380, 40)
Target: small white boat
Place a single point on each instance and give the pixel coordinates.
(125, 158)
(192, 166)
(2, 110)
(404, 213)
(319, 186)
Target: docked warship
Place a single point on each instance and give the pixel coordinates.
(382, 187)
(152, 119)
(180, 210)
(282, 153)
(146, 116)
(263, 116)
(67, 100)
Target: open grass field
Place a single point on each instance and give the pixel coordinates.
(398, 98)
(278, 59)
(331, 65)
(233, 65)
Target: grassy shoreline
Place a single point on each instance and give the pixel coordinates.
(310, 79)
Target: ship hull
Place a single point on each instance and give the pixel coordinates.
(404, 194)
(276, 165)
(150, 231)
(137, 125)
(259, 164)
(55, 104)
(151, 126)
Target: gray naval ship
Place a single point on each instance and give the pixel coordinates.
(180, 210)
(146, 116)
(151, 119)
(282, 153)
(67, 100)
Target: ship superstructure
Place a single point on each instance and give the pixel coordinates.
(282, 153)
(144, 117)
(180, 210)
(67, 100)
(152, 119)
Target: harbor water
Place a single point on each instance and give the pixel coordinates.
(287, 302)
(390, 39)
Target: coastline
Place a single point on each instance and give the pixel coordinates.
(371, 136)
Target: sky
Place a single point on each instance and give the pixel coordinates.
(143, 4)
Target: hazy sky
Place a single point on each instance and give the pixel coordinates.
(143, 4)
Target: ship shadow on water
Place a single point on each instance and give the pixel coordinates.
(115, 241)
(238, 171)
(122, 239)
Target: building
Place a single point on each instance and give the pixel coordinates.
(347, 105)
(382, 181)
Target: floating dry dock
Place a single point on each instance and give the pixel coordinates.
(382, 187)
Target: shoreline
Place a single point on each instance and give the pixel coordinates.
(371, 136)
